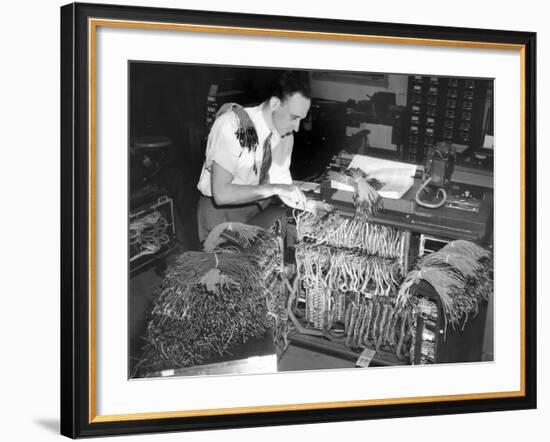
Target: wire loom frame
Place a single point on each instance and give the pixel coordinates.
(78, 243)
(338, 259)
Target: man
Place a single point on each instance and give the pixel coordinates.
(248, 156)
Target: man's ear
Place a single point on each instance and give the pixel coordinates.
(274, 103)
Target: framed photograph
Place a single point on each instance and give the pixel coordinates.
(273, 220)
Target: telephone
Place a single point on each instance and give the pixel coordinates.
(437, 175)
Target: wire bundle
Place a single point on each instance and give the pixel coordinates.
(342, 261)
(360, 322)
(207, 303)
(318, 306)
(461, 274)
(149, 233)
(239, 234)
(210, 301)
(246, 132)
(353, 234)
(346, 270)
(265, 250)
(366, 199)
(376, 323)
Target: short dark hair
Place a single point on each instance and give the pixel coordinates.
(290, 82)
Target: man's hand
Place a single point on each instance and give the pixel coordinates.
(318, 208)
(291, 195)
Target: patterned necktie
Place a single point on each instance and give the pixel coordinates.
(266, 161)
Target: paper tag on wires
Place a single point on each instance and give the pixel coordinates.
(365, 357)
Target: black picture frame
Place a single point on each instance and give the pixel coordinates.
(78, 418)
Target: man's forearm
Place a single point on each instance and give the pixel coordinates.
(232, 194)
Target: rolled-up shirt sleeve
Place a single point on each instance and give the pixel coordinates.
(279, 173)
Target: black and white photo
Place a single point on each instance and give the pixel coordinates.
(296, 219)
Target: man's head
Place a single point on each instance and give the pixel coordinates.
(290, 101)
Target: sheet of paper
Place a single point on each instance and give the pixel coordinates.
(306, 186)
(309, 187)
(397, 177)
(341, 186)
(380, 136)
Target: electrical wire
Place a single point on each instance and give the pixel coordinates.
(149, 233)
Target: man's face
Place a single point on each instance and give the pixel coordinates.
(288, 113)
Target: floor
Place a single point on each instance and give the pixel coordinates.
(298, 358)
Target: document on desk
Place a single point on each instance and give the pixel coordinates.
(397, 177)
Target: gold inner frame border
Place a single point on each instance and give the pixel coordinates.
(93, 24)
